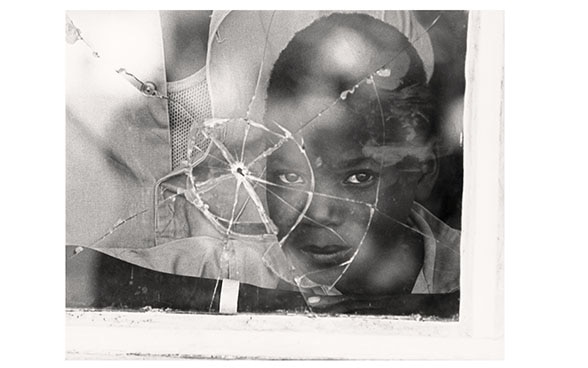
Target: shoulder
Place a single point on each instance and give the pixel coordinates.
(441, 268)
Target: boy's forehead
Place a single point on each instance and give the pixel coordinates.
(335, 136)
(316, 117)
(316, 108)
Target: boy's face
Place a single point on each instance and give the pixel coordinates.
(360, 204)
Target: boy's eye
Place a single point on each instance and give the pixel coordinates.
(290, 178)
(359, 178)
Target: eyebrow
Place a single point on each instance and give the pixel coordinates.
(285, 162)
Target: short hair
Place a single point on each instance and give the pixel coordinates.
(407, 101)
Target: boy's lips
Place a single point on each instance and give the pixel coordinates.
(327, 255)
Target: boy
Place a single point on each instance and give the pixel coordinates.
(352, 91)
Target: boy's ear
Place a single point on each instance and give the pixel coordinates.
(429, 174)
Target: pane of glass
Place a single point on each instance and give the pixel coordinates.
(321, 170)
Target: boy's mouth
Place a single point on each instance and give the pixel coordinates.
(327, 255)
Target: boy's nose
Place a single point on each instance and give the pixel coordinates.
(326, 211)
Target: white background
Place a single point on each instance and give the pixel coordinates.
(546, 184)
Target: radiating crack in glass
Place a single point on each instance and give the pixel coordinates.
(247, 127)
(272, 149)
(226, 250)
(372, 82)
(246, 202)
(110, 231)
(74, 34)
(238, 169)
(241, 173)
(118, 224)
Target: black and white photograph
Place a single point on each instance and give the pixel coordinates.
(294, 183)
(283, 166)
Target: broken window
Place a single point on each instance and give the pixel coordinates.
(321, 173)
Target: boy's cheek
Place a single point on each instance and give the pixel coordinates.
(397, 199)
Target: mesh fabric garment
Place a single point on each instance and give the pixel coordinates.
(189, 104)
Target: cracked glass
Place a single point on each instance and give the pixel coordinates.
(325, 176)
